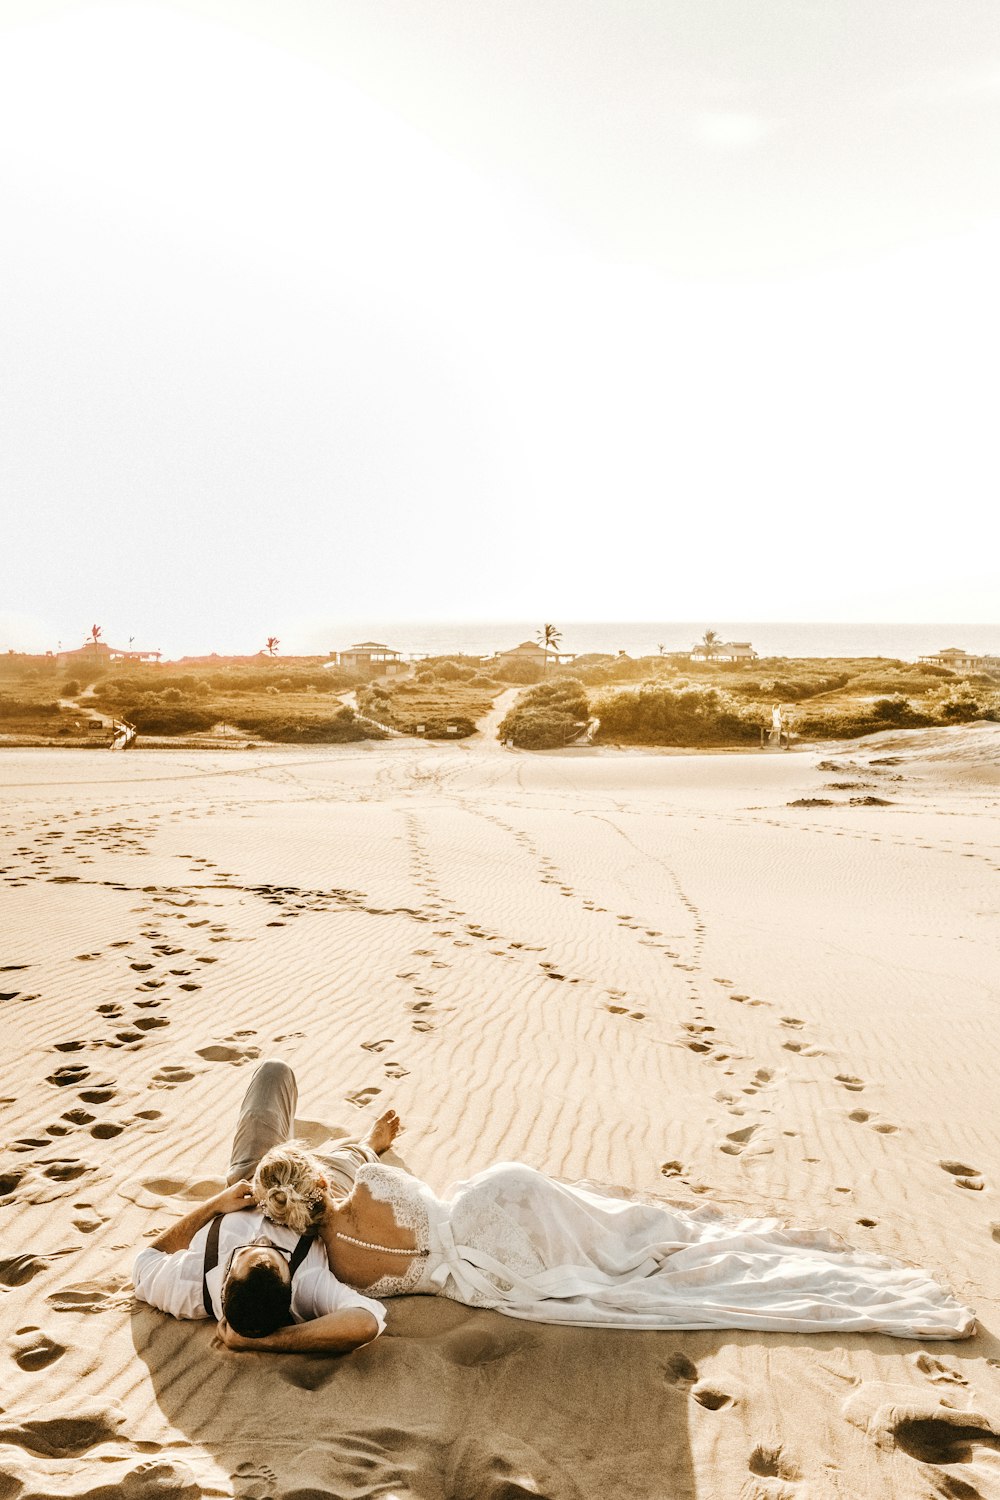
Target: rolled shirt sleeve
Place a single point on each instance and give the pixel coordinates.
(317, 1292)
(171, 1282)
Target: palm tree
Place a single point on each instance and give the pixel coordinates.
(710, 643)
(549, 637)
(661, 649)
(95, 636)
(272, 645)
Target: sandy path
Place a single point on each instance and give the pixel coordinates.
(645, 969)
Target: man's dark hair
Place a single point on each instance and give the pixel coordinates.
(257, 1304)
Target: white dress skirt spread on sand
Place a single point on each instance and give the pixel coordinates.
(532, 1247)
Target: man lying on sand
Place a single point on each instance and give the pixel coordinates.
(262, 1280)
(510, 1238)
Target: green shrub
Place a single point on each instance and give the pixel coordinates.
(70, 688)
(517, 672)
(448, 729)
(342, 727)
(452, 671)
(657, 715)
(21, 708)
(151, 717)
(565, 694)
(539, 728)
(547, 715)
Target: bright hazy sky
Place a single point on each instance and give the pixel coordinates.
(403, 309)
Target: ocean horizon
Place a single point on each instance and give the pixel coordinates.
(636, 638)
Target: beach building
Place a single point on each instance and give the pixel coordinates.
(725, 651)
(102, 653)
(961, 660)
(529, 651)
(370, 659)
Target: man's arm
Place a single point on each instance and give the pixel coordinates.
(335, 1333)
(180, 1235)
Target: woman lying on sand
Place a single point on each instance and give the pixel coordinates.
(527, 1245)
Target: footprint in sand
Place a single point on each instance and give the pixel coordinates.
(169, 1076)
(65, 1169)
(863, 1117)
(965, 1176)
(938, 1371)
(737, 1141)
(78, 1116)
(378, 1046)
(682, 1373)
(852, 1084)
(18, 1270)
(34, 1350)
(66, 1077)
(363, 1097)
(235, 1055)
(769, 1462)
(87, 1219)
(944, 1435)
(115, 1294)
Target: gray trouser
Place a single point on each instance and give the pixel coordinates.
(267, 1117)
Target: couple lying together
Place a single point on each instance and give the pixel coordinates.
(298, 1259)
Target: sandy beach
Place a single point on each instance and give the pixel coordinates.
(645, 969)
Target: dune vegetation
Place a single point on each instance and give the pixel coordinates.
(672, 701)
(654, 700)
(443, 700)
(266, 699)
(547, 715)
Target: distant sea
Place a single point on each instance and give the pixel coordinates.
(480, 638)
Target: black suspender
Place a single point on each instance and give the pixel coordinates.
(212, 1258)
(211, 1261)
(299, 1253)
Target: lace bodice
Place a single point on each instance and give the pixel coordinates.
(407, 1197)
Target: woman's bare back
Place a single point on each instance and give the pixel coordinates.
(384, 1247)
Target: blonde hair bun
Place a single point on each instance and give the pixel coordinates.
(289, 1187)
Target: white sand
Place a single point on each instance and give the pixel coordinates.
(644, 969)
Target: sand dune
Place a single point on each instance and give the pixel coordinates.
(650, 970)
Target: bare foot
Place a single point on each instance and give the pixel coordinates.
(384, 1131)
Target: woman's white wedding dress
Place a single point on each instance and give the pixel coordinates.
(532, 1247)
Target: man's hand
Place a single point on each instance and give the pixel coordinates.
(180, 1235)
(233, 1340)
(238, 1195)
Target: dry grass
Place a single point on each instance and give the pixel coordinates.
(404, 705)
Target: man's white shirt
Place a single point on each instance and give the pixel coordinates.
(173, 1283)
